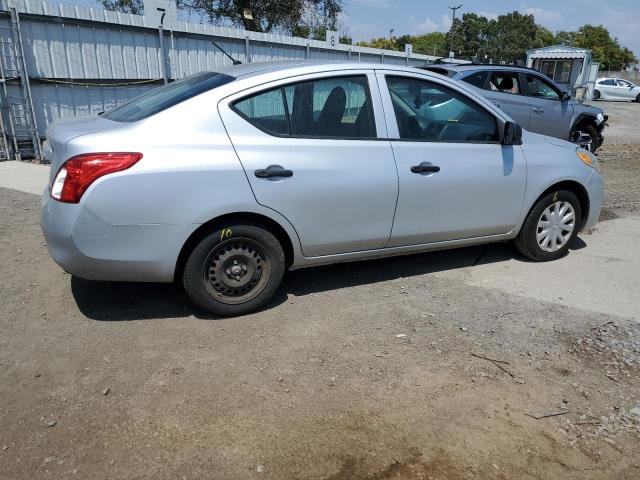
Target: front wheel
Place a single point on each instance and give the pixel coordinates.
(234, 270)
(586, 137)
(638, 98)
(596, 95)
(550, 227)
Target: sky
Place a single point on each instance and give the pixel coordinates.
(366, 19)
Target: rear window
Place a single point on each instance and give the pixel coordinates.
(167, 96)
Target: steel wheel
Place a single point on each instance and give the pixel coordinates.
(236, 271)
(555, 226)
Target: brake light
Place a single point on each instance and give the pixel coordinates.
(77, 173)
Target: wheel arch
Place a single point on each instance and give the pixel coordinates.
(574, 187)
(237, 217)
(585, 119)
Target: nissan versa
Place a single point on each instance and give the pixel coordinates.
(224, 180)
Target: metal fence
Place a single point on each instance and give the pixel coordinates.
(59, 60)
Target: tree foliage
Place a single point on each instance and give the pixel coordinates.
(604, 48)
(508, 37)
(255, 15)
(433, 43)
(126, 6)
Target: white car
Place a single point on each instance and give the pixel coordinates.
(616, 89)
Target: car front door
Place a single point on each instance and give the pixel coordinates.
(504, 90)
(551, 115)
(456, 180)
(314, 150)
(625, 90)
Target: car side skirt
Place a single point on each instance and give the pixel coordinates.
(305, 262)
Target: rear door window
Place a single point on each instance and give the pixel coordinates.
(161, 98)
(266, 111)
(337, 107)
(505, 82)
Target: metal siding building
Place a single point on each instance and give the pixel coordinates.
(79, 61)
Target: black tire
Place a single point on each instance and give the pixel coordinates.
(638, 98)
(258, 264)
(526, 242)
(592, 132)
(596, 95)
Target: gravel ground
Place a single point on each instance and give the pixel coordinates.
(620, 156)
(376, 370)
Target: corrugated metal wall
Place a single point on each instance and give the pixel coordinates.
(81, 60)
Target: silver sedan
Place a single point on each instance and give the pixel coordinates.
(224, 180)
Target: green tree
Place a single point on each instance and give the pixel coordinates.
(604, 48)
(255, 15)
(434, 43)
(126, 6)
(564, 38)
(382, 42)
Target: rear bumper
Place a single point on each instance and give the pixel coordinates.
(595, 191)
(85, 246)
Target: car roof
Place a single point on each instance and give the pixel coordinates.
(246, 70)
(478, 66)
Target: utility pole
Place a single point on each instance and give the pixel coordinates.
(453, 26)
(391, 34)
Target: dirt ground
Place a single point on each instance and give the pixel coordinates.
(375, 370)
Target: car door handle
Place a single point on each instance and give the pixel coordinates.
(273, 171)
(538, 109)
(425, 168)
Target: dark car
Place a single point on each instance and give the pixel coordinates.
(533, 100)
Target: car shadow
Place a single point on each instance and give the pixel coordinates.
(120, 301)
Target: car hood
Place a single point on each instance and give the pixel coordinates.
(530, 138)
(587, 109)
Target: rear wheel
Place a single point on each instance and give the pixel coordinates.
(234, 270)
(596, 95)
(550, 227)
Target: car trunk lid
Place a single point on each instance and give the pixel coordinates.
(60, 133)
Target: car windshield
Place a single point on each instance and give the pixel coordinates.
(167, 96)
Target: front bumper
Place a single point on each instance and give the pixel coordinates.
(595, 191)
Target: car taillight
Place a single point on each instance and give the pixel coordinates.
(77, 173)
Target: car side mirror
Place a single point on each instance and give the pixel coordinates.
(566, 96)
(512, 134)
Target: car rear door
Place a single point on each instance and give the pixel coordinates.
(314, 150)
(508, 99)
(550, 114)
(456, 180)
(608, 88)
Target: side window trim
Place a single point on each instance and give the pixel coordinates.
(287, 83)
(392, 122)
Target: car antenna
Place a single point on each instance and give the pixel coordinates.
(235, 62)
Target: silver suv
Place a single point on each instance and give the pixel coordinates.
(533, 100)
(224, 180)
